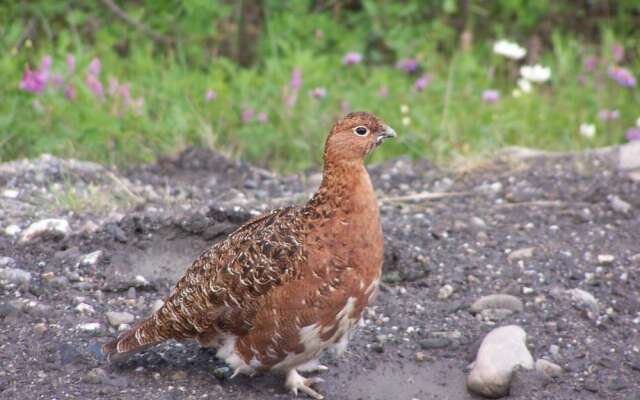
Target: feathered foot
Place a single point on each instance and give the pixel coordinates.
(296, 382)
(313, 366)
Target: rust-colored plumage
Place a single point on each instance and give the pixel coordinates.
(289, 284)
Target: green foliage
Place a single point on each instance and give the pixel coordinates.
(448, 119)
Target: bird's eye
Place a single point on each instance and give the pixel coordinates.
(361, 130)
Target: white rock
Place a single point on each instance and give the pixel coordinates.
(605, 259)
(91, 259)
(7, 262)
(619, 205)
(156, 305)
(501, 351)
(629, 155)
(141, 280)
(123, 327)
(53, 227)
(15, 275)
(497, 301)
(547, 368)
(520, 254)
(84, 308)
(89, 327)
(117, 318)
(12, 230)
(445, 292)
(584, 298)
(10, 193)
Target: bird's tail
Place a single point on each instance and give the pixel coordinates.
(143, 335)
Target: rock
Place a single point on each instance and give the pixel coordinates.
(96, 376)
(584, 298)
(619, 205)
(91, 327)
(116, 318)
(500, 353)
(478, 222)
(547, 368)
(179, 376)
(47, 228)
(497, 301)
(495, 314)
(7, 262)
(445, 292)
(12, 230)
(156, 305)
(40, 328)
(221, 372)
(605, 259)
(10, 193)
(434, 343)
(520, 254)
(91, 259)
(84, 308)
(629, 156)
(16, 276)
(420, 356)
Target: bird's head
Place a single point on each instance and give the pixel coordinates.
(355, 136)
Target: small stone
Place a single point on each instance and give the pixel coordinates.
(554, 350)
(123, 327)
(434, 343)
(420, 356)
(10, 193)
(141, 280)
(520, 254)
(445, 292)
(605, 259)
(478, 222)
(7, 262)
(629, 156)
(495, 314)
(179, 376)
(221, 372)
(547, 368)
(116, 318)
(12, 230)
(49, 228)
(619, 205)
(15, 275)
(84, 308)
(156, 305)
(96, 376)
(40, 328)
(584, 298)
(91, 259)
(497, 301)
(501, 351)
(90, 327)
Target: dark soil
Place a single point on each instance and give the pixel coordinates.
(561, 207)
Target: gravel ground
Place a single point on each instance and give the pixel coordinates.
(534, 228)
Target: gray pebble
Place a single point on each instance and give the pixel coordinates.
(495, 301)
(15, 275)
(116, 318)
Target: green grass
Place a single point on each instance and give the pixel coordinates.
(447, 120)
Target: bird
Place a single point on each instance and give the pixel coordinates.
(288, 284)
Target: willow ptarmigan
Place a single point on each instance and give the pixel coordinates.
(288, 284)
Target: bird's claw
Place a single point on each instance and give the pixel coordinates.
(296, 382)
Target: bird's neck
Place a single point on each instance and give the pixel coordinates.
(345, 186)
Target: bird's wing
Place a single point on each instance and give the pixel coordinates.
(222, 285)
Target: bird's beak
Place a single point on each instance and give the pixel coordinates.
(386, 133)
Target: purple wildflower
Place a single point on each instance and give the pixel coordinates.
(33, 81)
(247, 115)
(490, 96)
(618, 52)
(422, 82)
(408, 65)
(623, 76)
(590, 63)
(318, 93)
(296, 79)
(95, 66)
(210, 95)
(608, 115)
(71, 64)
(262, 117)
(45, 66)
(94, 85)
(352, 58)
(633, 134)
(383, 91)
(125, 94)
(56, 79)
(70, 92)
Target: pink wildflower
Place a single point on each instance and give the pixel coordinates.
(352, 58)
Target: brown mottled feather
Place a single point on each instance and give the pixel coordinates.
(290, 283)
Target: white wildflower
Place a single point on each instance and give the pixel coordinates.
(587, 130)
(509, 49)
(524, 85)
(638, 122)
(404, 108)
(406, 121)
(535, 73)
